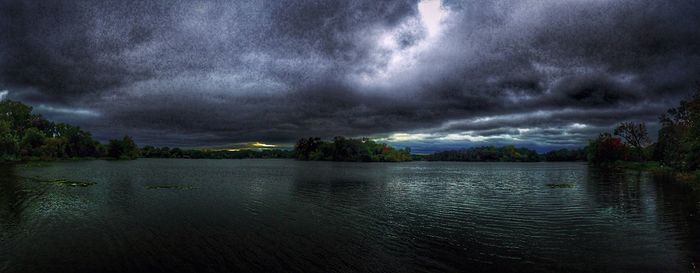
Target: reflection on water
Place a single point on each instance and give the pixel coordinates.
(283, 215)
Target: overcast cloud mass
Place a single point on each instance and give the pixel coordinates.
(428, 74)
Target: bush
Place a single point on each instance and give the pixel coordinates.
(606, 150)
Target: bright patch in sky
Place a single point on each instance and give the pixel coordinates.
(263, 145)
(402, 45)
(405, 137)
(431, 14)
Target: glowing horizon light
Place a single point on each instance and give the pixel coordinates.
(403, 137)
(263, 145)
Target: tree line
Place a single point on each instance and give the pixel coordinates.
(508, 153)
(348, 149)
(677, 147)
(28, 136)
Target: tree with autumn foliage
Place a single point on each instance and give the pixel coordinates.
(606, 150)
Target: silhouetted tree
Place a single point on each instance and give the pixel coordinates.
(635, 135)
(679, 137)
(123, 149)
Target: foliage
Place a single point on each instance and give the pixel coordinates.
(32, 142)
(488, 153)
(348, 149)
(124, 148)
(9, 144)
(677, 148)
(679, 137)
(635, 135)
(566, 155)
(24, 135)
(606, 150)
(78, 142)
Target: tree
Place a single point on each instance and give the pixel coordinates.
(17, 114)
(9, 144)
(304, 148)
(508, 153)
(176, 153)
(123, 149)
(606, 150)
(25, 134)
(635, 135)
(32, 141)
(78, 142)
(54, 148)
(679, 137)
(566, 155)
(693, 106)
(348, 149)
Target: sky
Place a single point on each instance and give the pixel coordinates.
(430, 74)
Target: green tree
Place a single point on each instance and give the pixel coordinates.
(79, 143)
(54, 148)
(9, 144)
(32, 141)
(123, 149)
(17, 114)
(305, 148)
(679, 137)
(347, 149)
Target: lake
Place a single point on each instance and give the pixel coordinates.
(179, 215)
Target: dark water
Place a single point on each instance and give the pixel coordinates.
(284, 215)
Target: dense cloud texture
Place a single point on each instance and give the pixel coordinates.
(427, 74)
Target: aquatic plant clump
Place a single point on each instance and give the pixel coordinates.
(560, 186)
(63, 182)
(69, 183)
(170, 186)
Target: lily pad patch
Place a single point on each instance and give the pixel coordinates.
(560, 186)
(170, 186)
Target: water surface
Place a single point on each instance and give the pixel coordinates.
(167, 215)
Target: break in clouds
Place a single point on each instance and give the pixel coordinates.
(429, 74)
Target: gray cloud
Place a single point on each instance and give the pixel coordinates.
(196, 73)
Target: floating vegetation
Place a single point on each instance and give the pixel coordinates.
(170, 186)
(35, 164)
(68, 183)
(560, 186)
(62, 182)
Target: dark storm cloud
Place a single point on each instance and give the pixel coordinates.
(196, 73)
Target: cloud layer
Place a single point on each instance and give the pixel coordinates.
(422, 73)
